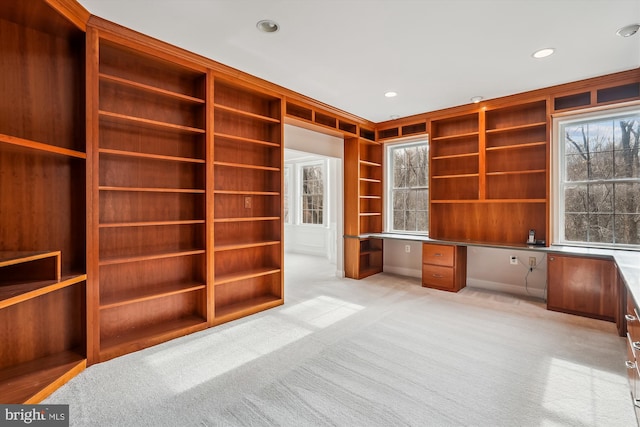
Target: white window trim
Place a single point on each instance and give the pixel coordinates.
(388, 179)
(557, 167)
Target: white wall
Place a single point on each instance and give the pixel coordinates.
(487, 268)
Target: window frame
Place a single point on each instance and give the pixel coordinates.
(388, 179)
(557, 198)
(299, 189)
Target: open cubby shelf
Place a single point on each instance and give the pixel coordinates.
(32, 381)
(247, 114)
(139, 295)
(245, 139)
(150, 89)
(246, 274)
(140, 121)
(229, 312)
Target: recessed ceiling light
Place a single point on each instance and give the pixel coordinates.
(390, 94)
(268, 26)
(628, 31)
(543, 53)
(476, 99)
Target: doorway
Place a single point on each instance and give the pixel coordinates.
(313, 214)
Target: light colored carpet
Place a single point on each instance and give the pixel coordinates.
(376, 352)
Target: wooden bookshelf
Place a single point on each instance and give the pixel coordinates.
(42, 182)
(363, 183)
(149, 188)
(490, 168)
(248, 158)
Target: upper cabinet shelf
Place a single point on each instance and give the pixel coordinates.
(240, 112)
(106, 78)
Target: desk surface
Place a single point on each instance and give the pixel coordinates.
(627, 261)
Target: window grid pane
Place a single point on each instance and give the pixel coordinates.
(312, 195)
(408, 187)
(601, 180)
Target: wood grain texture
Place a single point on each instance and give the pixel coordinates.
(585, 286)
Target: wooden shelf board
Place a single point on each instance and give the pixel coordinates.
(149, 156)
(244, 308)
(519, 127)
(368, 163)
(151, 189)
(40, 146)
(243, 139)
(246, 166)
(20, 292)
(150, 223)
(522, 172)
(460, 135)
(370, 180)
(141, 337)
(370, 252)
(371, 197)
(517, 146)
(247, 192)
(161, 291)
(456, 156)
(370, 213)
(462, 175)
(246, 113)
(248, 274)
(8, 258)
(139, 121)
(245, 245)
(151, 89)
(248, 218)
(122, 260)
(32, 381)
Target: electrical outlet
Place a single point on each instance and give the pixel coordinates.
(407, 248)
(513, 260)
(247, 202)
(532, 261)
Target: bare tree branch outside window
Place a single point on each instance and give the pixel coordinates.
(409, 191)
(601, 180)
(312, 194)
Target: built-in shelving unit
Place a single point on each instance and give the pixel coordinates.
(248, 228)
(42, 203)
(364, 184)
(149, 189)
(486, 164)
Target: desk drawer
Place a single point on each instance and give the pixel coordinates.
(438, 254)
(437, 277)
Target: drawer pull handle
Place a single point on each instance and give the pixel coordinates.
(636, 345)
(629, 317)
(437, 254)
(437, 276)
(630, 365)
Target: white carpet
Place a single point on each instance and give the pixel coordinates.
(376, 352)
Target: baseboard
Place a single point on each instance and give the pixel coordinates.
(507, 288)
(403, 271)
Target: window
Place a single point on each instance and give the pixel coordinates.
(408, 187)
(312, 200)
(599, 178)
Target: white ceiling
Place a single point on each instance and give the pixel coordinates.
(433, 53)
